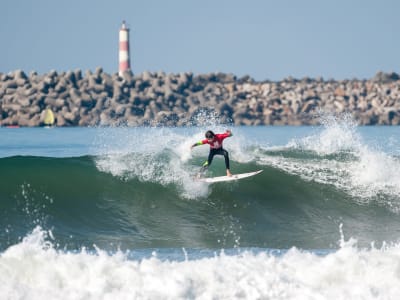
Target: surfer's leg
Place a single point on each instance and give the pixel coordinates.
(210, 157)
(204, 167)
(209, 161)
(226, 156)
(225, 153)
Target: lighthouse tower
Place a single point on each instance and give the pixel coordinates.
(124, 60)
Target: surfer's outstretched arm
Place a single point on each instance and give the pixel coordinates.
(196, 144)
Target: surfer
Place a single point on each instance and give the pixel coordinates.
(215, 142)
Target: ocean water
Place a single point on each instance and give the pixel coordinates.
(114, 213)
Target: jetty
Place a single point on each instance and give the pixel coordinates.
(157, 99)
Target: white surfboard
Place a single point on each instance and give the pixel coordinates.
(229, 178)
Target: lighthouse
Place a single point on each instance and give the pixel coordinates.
(124, 60)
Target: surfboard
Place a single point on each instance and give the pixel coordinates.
(229, 178)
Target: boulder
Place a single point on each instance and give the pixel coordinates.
(31, 91)
(308, 106)
(78, 74)
(11, 84)
(19, 74)
(23, 101)
(71, 117)
(61, 85)
(382, 77)
(34, 110)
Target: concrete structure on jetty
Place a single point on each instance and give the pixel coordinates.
(97, 98)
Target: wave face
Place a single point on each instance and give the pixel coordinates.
(137, 191)
(116, 214)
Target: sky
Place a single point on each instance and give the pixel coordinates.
(265, 39)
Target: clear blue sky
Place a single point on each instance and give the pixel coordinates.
(262, 38)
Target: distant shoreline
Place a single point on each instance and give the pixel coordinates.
(156, 98)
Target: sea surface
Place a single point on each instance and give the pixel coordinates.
(116, 213)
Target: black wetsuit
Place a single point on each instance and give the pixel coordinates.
(219, 151)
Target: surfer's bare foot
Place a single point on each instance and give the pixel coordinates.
(228, 173)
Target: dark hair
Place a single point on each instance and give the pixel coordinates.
(209, 134)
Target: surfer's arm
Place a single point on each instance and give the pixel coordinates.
(226, 134)
(196, 144)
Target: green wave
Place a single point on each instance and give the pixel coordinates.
(84, 206)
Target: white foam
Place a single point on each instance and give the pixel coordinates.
(161, 155)
(338, 134)
(158, 155)
(376, 173)
(33, 269)
(362, 171)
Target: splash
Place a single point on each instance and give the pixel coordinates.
(151, 155)
(340, 157)
(339, 134)
(206, 117)
(376, 173)
(162, 154)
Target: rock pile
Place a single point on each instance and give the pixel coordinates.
(97, 98)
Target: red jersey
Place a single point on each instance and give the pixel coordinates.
(216, 143)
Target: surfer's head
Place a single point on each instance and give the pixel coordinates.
(210, 135)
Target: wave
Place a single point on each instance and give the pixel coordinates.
(363, 177)
(138, 191)
(132, 214)
(34, 267)
(133, 200)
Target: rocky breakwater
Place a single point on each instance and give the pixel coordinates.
(98, 98)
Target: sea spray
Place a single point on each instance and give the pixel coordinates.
(151, 155)
(162, 155)
(337, 155)
(337, 134)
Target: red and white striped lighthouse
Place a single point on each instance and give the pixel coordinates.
(124, 60)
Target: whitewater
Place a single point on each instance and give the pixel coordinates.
(33, 269)
(114, 213)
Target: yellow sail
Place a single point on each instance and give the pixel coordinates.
(48, 117)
